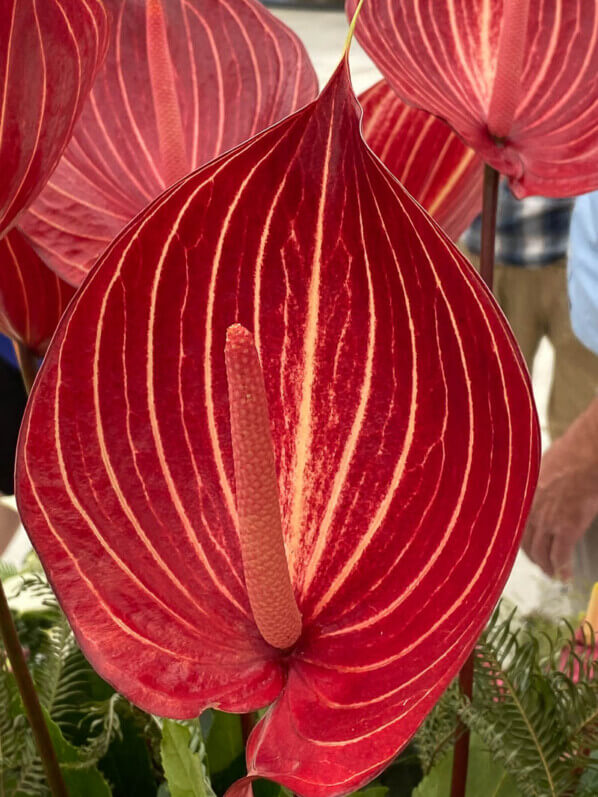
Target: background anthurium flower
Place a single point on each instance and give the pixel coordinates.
(49, 55)
(405, 439)
(184, 81)
(425, 154)
(517, 79)
(32, 297)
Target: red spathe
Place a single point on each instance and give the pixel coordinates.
(49, 56)
(405, 437)
(234, 70)
(431, 161)
(443, 57)
(32, 297)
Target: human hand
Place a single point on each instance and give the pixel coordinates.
(566, 499)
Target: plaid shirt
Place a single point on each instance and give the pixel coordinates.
(529, 232)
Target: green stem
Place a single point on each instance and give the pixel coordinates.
(27, 364)
(33, 709)
(489, 207)
(461, 753)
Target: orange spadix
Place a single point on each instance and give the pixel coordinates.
(171, 137)
(509, 64)
(264, 560)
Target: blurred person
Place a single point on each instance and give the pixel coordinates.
(562, 532)
(530, 285)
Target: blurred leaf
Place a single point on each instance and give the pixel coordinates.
(484, 776)
(225, 741)
(82, 779)
(403, 774)
(226, 752)
(128, 763)
(267, 788)
(588, 783)
(184, 769)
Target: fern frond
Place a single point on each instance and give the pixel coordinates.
(437, 732)
(518, 713)
(104, 727)
(50, 661)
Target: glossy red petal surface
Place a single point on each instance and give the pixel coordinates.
(237, 69)
(49, 55)
(424, 153)
(405, 437)
(442, 57)
(32, 297)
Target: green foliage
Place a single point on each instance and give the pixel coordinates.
(485, 776)
(225, 750)
(533, 719)
(437, 734)
(534, 722)
(225, 740)
(183, 757)
(132, 764)
(85, 716)
(81, 777)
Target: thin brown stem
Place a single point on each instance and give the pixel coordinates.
(14, 651)
(461, 754)
(27, 364)
(489, 207)
(33, 709)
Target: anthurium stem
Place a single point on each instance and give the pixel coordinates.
(27, 363)
(33, 709)
(461, 752)
(489, 208)
(260, 529)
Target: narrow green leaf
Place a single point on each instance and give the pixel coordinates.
(184, 769)
(81, 779)
(226, 752)
(225, 741)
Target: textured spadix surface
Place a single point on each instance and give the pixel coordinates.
(424, 153)
(32, 297)
(184, 81)
(442, 57)
(405, 439)
(49, 54)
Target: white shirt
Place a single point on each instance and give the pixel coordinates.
(583, 270)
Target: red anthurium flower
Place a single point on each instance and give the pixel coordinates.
(389, 437)
(49, 55)
(424, 153)
(517, 80)
(32, 297)
(184, 81)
